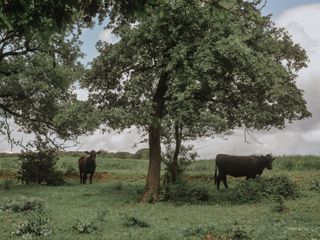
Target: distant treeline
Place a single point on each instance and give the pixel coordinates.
(140, 154)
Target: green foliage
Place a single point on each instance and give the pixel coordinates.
(297, 162)
(84, 226)
(176, 167)
(23, 203)
(38, 167)
(135, 222)
(142, 154)
(71, 172)
(315, 185)
(7, 183)
(181, 192)
(36, 225)
(262, 188)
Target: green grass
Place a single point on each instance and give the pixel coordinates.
(117, 196)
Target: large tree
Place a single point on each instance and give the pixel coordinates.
(203, 66)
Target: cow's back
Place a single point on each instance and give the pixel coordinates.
(237, 166)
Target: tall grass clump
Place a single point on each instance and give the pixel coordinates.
(298, 163)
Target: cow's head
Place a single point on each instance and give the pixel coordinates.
(92, 154)
(269, 159)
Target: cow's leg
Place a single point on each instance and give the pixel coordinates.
(218, 181)
(81, 181)
(84, 178)
(224, 180)
(91, 175)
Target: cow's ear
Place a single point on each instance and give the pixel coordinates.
(98, 152)
(87, 152)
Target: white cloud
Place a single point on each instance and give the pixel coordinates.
(107, 36)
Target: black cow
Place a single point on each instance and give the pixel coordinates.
(87, 165)
(240, 166)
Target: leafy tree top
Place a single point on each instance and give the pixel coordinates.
(219, 64)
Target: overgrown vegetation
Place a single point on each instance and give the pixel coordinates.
(262, 188)
(194, 211)
(37, 224)
(39, 166)
(22, 203)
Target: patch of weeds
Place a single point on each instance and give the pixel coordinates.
(36, 225)
(135, 222)
(315, 185)
(7, 183)
(200, 231)
(118, 186)
(85, 226)
(255, 190)
(90, 226)
(23, 203)
(239, 233)
(280, 206)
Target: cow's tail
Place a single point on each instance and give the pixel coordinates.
(215, 173)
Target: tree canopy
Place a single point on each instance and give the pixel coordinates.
(208, 67)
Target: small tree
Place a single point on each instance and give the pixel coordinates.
(209, 66)
(39, 166)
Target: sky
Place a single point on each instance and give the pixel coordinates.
(300, 18)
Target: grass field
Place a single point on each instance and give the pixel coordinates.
(110, 208)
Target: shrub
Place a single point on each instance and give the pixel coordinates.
(7, 184)
(36, 225)
(261, 188)
(184, 193)
(23, 203)
(38, 167)
(71, 172)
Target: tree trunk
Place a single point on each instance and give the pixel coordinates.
(174, 165)
(152, 188)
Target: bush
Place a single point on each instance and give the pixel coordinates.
(36, 225)
(71, 172)
(38, 167)
(184, 193)
(7, 184)
(257, 189)
(23, 203)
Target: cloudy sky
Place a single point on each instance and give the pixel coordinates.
(300, 18)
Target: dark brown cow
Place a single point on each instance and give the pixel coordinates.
(87, 165)
(240, 166)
